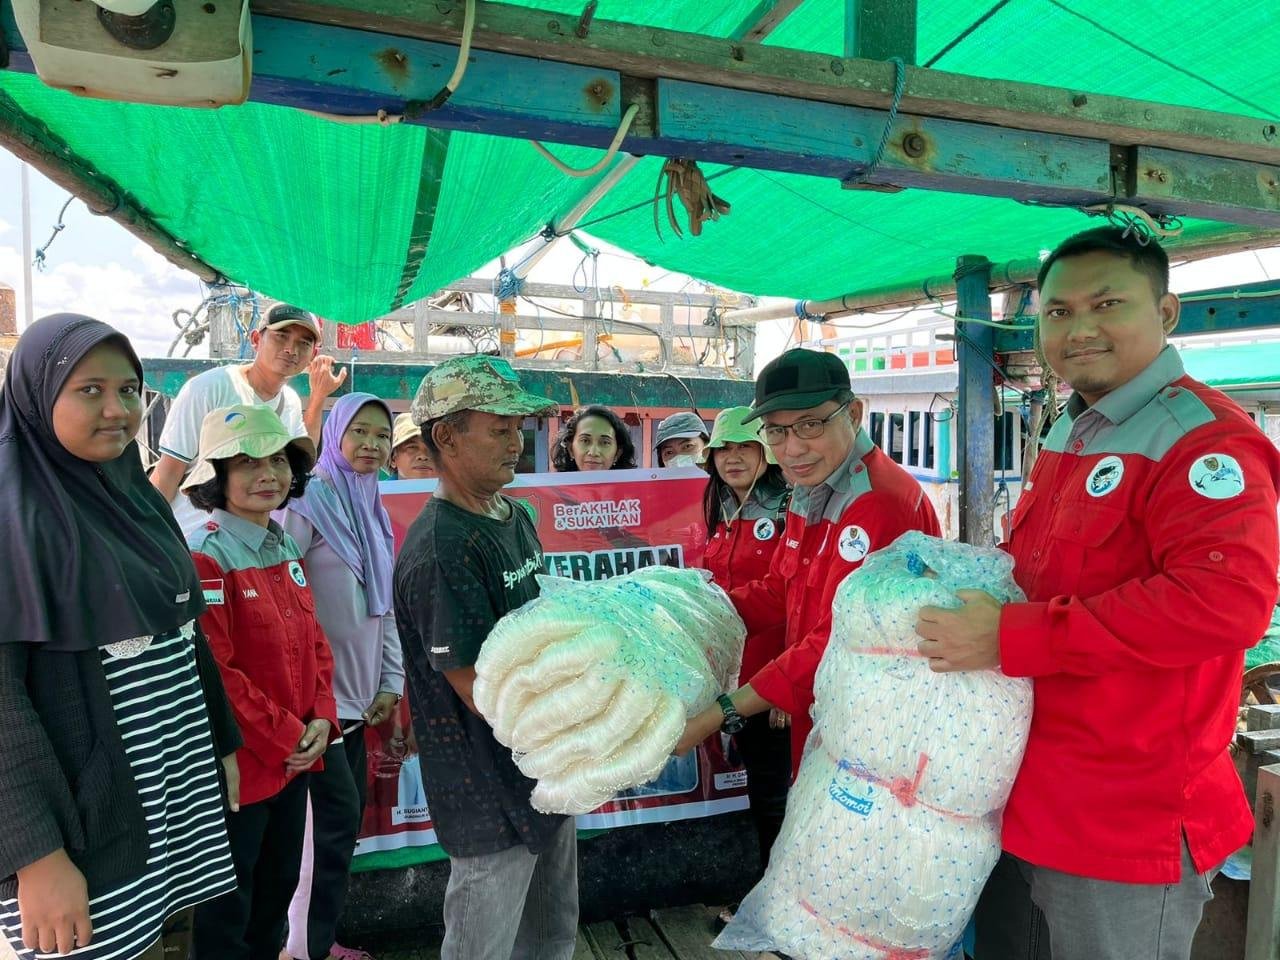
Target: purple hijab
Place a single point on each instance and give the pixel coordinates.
(347, 509)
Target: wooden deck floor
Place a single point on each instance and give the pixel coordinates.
(683, 933)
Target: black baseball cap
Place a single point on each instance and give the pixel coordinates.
(798, 380)
(286, 315)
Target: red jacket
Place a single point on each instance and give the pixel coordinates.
(1146, 540)
(275, 661)
(739, 553)
(865, 505)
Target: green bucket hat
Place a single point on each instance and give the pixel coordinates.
(479, 382)
(729, 428)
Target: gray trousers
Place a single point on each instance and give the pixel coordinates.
(514, 905)
(1034, 913)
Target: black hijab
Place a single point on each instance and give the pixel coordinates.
(91, 550)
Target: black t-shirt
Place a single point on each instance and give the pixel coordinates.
(457, 574)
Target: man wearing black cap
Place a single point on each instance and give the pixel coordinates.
(284, 345)
(850, 500)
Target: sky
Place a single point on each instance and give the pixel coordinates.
(95, 266)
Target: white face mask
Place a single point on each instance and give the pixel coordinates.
(683, 460)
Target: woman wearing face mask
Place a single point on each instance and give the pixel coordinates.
(345, 537)
(745, 506)
(594, 438)
(111, 706)
(275, 664)
(680, 440)
(410, 458)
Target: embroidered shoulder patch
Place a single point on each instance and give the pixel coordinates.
(1216, 476)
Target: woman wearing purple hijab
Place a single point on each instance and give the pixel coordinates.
(345, 537)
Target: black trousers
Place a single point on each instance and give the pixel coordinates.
(337, 807)
(266, 847)
(766, 753)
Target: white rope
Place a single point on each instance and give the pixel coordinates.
(595, 168)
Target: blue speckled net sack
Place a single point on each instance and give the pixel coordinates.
(893, 823)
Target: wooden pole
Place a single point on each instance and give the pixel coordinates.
(22, 136)
(1262, 934)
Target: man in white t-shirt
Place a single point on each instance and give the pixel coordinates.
(284, 344)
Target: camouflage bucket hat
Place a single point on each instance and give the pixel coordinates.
(483, 383)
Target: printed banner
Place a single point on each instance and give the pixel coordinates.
(592, 526)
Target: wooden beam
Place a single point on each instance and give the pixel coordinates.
(357, 73)
(880, 29)
(1262, 937)
(932, 289)
(779, 133)
(563, 291)
(1235, 191)
(349, 71)
(32, 141)
(765, 18)
(648, 52)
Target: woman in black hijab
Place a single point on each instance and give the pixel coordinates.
(110, 702)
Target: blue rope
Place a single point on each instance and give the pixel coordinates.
(804, 314)
(509, 285)
(899, 87)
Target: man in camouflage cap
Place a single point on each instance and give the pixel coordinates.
(469, 558)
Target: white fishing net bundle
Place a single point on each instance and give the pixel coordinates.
(591, 683)
(893, 823)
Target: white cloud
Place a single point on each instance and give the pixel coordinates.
(138, 298)
(5, 226)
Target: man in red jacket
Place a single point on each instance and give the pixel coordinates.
(850, 500)
(1146, 541)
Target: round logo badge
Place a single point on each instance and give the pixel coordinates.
(1217, 476)
(1104, 477)
(854, 544)
(765, 529)
(295, 571)
(234, 420)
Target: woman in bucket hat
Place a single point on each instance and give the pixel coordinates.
(745, 506)
(275, 664)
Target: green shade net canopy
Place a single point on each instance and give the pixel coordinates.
(354, 220)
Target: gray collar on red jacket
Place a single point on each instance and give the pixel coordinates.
(251, 535)
(1128, 398)
(831, 498)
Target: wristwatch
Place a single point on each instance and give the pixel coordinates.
(733, 721)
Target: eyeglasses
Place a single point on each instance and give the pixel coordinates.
(775, 435)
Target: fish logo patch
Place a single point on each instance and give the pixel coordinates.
(1216, 476)
(1104, 477)
(854, 544)
(295, 571)
(765, 529)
